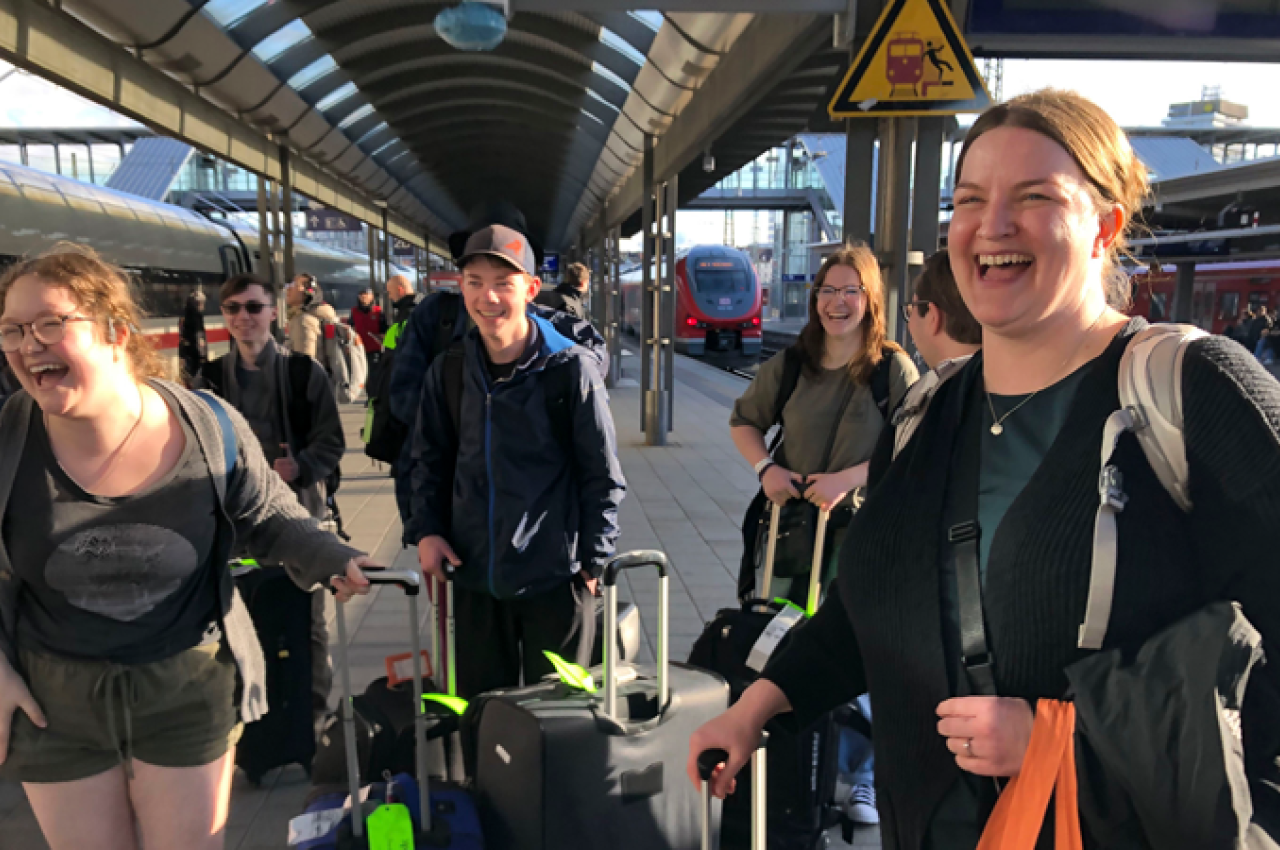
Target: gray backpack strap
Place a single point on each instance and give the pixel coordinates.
(1150, 385)
(915, 403)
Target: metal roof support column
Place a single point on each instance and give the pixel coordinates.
(387, 247)
(615, 307)
(1183, 291)
(599, 271)
(286, 210)
(264, 269)
(859, 168)
(372, 250)
(654, 418)
(92, 179)
(668, 327)
(927, 189)
(273, 201)
(22, 154)
(893, 211)
(57, 159)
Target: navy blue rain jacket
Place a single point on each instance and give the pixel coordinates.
(521, 514)
(413, 358)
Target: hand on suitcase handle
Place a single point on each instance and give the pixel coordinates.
(709, 760)
(362, 573)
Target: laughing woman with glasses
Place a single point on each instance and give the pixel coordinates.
(831, 393)
(127, 661)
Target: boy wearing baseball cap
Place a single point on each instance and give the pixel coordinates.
(516, 479)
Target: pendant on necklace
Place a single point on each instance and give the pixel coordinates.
(996, 429)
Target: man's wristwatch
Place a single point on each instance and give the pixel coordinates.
(763, 466)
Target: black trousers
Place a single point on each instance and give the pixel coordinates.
(500, 641)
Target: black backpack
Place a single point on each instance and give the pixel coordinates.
(299, 413)
(757, 515)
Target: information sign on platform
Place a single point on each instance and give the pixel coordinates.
(401, 248)
(914, 63)
(320, 220)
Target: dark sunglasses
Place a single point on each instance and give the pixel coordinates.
(253, 308)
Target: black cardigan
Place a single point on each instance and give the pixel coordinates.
(882, 630)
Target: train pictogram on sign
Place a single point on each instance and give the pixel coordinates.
(914, 63)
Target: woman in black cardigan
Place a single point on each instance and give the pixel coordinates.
(1047, 187)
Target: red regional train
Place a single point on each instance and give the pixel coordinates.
(718, 301)
(1222, 292)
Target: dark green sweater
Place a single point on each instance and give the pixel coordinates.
(882, 630)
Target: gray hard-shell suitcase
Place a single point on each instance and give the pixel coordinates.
(559, 767)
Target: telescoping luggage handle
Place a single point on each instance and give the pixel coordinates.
(409, 581)
(629, 561)
(707, 762)
(815, 571)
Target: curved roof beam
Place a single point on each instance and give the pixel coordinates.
(450, 106)
(371, 74)
(534, 120)
(404, 101)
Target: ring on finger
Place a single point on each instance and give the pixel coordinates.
(968, 747)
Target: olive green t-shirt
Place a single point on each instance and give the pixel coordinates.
(809, 413)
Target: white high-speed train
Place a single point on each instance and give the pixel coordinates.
(171, 251)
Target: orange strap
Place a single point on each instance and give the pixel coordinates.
(1050, 763)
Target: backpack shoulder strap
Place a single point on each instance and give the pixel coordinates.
(454, 361)
(881, 383)
(211, 374)
(792, 365)
(916, 402)
(446, 322)
(1150, 388)
(299, 405)
(230, 446)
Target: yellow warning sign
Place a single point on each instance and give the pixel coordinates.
(914, 63)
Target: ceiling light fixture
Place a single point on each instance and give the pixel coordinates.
(472, 26)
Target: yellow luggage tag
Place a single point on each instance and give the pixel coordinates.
(390, 827)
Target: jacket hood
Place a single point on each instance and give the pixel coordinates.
(323, 312)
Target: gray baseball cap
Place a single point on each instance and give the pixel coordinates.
(504, 243)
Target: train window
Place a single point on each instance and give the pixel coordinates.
(722, 280)
(1229, 306)
(1256, 300)
(231, 265)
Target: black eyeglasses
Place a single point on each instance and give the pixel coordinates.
(849, 292)
(253, 308)
(47, 330)
(921, 306)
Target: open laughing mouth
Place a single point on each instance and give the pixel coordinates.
(47, 374)
(1003, 267)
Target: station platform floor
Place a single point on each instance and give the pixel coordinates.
(686, 498)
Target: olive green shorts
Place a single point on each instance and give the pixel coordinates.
(178, 712)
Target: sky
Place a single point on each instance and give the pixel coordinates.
(1136, 93)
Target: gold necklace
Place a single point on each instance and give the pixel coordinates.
(115, 453)
(997, 424)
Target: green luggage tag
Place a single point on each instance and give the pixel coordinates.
(573, 675)
(390, 827)
(457, 705)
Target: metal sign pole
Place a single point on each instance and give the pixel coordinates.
(669, 305)
(648, 316)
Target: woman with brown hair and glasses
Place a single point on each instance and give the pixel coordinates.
(831, 393)
(127, 661)
(988, 517)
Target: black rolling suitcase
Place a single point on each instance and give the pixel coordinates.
(449, 817)
(561, 768)
(802, 765)
(281, 614)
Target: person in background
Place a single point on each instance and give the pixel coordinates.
(1008, 449)
(287, 401)
(369, 322)
(403, 298)
(571, 295)
(528, 513)
(307, 314)
(941, 326)
(124, 680)
(193, 346)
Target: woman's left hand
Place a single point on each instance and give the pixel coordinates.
(826, 490)
(987, 735)
(354, 582)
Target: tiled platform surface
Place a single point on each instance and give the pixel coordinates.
(686, 498)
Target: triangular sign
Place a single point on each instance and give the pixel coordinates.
(914, 63)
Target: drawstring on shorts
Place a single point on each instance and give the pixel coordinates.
(117, 687)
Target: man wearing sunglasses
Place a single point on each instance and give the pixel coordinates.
(287, 401)
(941, 326)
